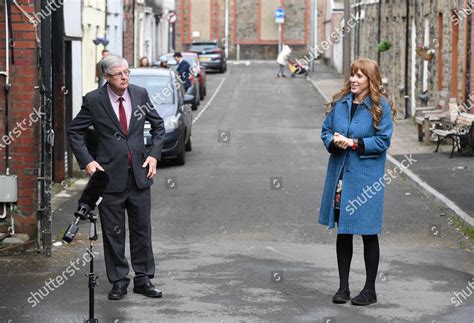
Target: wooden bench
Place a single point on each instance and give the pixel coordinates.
(460, 131)
(427, 118)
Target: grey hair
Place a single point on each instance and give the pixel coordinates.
(111, 61)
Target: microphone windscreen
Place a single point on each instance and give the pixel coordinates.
(95, 188)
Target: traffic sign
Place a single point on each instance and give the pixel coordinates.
(279, 13)
(171, 17)
(279, 16)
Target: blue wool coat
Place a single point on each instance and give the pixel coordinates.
(361, 208)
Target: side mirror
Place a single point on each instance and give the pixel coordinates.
(188, 99)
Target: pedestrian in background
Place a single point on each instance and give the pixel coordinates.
(357, 132)
(163, 63)
(144, 62)
(183, 70)
(99, 74)
(282, 60)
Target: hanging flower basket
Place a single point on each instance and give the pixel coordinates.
(384, 46)
(426, 53)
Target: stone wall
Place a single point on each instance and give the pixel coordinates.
(424, 75)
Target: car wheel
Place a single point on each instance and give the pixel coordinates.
(181, 158)
(222, 69)
(194, 106)
(189, 145)
(201, 93)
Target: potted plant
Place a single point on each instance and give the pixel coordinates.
(425, 52)
(384, 46)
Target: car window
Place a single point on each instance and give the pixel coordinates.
(161, 92)
(202, 47)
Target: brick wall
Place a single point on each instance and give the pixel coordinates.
(392, 62)
(23, 99)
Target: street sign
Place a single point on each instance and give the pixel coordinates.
(171, 17)
(279, 16)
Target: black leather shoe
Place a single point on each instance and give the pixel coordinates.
(119, 290)
(342, 296)
(365, 298)
(148, 290)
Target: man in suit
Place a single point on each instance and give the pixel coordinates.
(183, 70)
(114, 112)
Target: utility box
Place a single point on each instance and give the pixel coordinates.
(8, 189)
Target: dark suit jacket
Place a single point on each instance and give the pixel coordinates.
(112, 144)
(183, 70)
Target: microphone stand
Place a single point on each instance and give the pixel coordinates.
(92, 276)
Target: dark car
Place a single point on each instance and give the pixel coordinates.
(172, 105)
(194, 75)
(211, 55)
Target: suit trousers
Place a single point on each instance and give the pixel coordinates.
(137, 203)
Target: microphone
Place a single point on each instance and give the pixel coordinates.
(90, 198)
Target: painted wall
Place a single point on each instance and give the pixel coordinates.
(93, 25)
(115, 22)
(201, 19)
(73, 28)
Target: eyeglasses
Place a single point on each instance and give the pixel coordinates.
(121, 74)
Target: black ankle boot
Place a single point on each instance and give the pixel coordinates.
(366, 297)
(342, 296)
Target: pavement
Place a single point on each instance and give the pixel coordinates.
(235, 238)
(447, 180)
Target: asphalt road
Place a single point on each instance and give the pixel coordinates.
(235, 234)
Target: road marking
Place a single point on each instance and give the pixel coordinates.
(209, 103)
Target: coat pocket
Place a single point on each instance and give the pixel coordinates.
(368, 156)
(103, 159)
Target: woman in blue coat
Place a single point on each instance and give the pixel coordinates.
(357, 132)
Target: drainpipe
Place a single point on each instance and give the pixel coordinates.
(47, 138)
(346, 49)
(379, 29)
(407, 43)
(226, 28)
(468, 56)
(6, 74)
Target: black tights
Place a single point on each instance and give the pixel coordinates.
(371, 258)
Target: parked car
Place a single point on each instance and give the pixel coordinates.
(196, 74)
(211, 55)
(174, 108)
